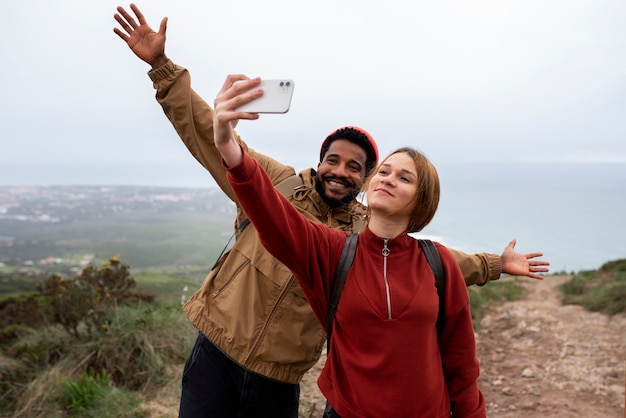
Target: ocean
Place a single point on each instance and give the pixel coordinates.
(575, 213)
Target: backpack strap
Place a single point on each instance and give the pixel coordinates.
(288, 185)
(345, 262)
(432, 256)
(285, 187)
(343, 266)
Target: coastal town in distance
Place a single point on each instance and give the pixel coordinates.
(50, 225)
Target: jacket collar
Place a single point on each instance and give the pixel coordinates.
(347, 217)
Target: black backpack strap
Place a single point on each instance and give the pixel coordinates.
(286, 187)
(432, 256)
(345, 262)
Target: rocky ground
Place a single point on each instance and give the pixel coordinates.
(539, 358)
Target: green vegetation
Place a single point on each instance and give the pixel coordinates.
(94, 346)
(172, 285)
(88, 346)
(495, 292)
(95, 396)
(52, 227)
(601, 290)
(150, 244)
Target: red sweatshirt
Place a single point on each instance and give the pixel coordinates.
(385, 359)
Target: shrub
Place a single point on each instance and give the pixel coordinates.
(603, 290)
(141, 342)
(90, 297)
(136, 352)
(22, 310)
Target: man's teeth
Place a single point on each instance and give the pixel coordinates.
(335, 184)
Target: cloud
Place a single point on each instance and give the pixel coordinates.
(481, 80)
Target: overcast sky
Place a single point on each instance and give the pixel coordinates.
(470, 80)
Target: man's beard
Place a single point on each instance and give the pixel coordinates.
(333, 203)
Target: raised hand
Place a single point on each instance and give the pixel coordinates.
(517, 264)
(147, 44)
(238, 89)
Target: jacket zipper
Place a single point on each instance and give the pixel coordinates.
(230, 279)
(266, 323)
(385, 255)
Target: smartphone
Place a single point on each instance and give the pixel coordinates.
(276, 97)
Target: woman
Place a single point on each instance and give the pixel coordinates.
(385, 358)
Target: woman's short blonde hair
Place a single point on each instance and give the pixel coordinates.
(426, 198)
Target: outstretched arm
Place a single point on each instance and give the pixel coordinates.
(190, 115)
(517, 264)
(481, 268)
(147, 44)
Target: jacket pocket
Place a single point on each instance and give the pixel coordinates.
(225, 277)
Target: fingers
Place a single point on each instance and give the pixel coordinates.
(511, 244)
(123, 24)
(121, 34)
(125, 20)
(163, 27)
(533, 255)
(237, 90)
(231, 79)
(135, 9)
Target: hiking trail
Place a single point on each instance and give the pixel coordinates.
(538, 358)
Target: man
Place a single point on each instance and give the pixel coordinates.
(258, 336)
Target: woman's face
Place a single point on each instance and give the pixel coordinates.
(393, 187)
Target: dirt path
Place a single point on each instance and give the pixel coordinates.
(539, 358)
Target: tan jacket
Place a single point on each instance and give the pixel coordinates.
(250, 305)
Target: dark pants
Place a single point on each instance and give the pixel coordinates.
(215, 386)
(329, 412)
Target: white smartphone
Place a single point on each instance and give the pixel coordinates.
(276, 97)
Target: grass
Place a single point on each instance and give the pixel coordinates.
(91, 395)
(15, 284)
(45, 372)
(48, 373)
(151, 243)
(498, 291)
(602, 290)
(174, 286)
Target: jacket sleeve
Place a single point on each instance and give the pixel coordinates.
(478, 268)
(458, 344)
(309, 249)
(192, 118)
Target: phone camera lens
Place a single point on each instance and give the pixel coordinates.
(282, 83)
(288, 83)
